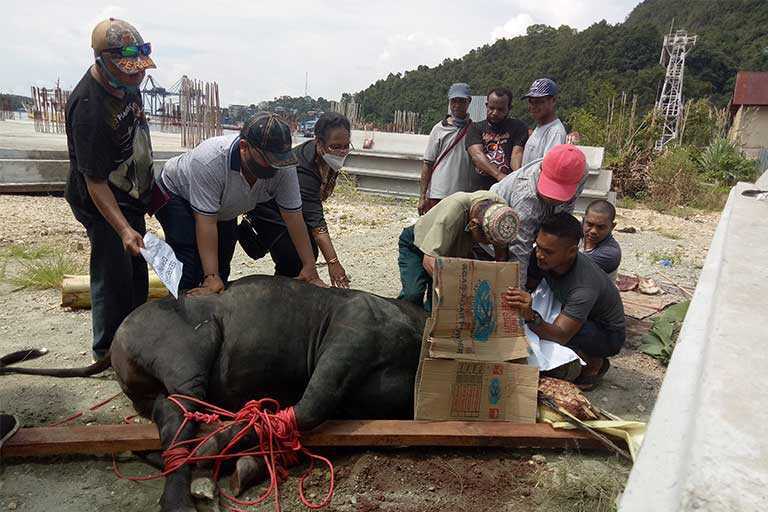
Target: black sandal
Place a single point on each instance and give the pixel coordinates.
(588, 383)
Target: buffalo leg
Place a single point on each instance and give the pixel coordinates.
(168, 418)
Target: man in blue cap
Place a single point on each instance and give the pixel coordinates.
(446, 167)
(549, 132)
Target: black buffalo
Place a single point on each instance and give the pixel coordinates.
(332, 353)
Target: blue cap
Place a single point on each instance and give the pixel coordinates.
(459, 90)
(542, 87)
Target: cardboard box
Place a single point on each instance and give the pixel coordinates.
(469, 319)
(476, 391)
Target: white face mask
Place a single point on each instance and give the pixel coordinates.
(335, 162)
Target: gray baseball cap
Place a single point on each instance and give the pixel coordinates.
(459, 90)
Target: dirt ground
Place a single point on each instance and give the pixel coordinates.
(365, 232)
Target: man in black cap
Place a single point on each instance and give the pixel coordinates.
(549, 131)
(222, 178)
(110, 173)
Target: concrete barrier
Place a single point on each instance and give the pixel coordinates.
(706, 447)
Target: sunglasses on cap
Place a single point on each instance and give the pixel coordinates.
(132, 50)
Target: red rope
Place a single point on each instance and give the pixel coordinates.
(91, 408)
(279, 446)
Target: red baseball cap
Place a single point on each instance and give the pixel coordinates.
(561, 172)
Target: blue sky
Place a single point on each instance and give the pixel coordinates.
(257, 50)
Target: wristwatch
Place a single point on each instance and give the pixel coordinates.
(535, 321)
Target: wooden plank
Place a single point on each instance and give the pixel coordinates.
(100, 439)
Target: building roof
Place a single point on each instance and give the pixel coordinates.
(751, 88)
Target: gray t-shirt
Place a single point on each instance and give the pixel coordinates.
(607, 254)
(587, 293)
(542, 139)
(454, 170)
(208, 176)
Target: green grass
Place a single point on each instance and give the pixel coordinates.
(579, 484)
(627, 202)
(39, 268)
(21, 252)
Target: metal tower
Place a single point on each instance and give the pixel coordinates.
(670, 104)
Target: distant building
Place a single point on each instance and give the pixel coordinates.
(749, 112)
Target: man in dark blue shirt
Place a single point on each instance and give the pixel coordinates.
(599, 244)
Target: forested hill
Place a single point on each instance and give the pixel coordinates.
(593, 63)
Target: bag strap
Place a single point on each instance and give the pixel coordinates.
(455, 141)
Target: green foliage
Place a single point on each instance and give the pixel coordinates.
(601, 60)
(702, 123)
(660, 342)
(723, 163)
(673, 179)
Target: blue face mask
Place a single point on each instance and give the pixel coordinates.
(113, 81)
(458, 122)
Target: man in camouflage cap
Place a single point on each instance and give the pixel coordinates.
(111, 176)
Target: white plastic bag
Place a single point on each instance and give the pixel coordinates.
(161, 258)
(546, 354)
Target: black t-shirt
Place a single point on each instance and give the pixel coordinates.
(498, 141)
(310, 184)
(107, 138)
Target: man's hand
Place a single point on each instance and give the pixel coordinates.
(132, 241)
(429, 264)
(519, 299)
(422, 206)
(309, 275)
(339, 277)
(212, 284)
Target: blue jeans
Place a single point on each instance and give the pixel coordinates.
(414, 279)
(178, 221)
(119, 281)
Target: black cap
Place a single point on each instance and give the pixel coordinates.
(270, 134)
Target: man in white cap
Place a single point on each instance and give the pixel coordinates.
(110, 173)
(549, 131)
(447, 167)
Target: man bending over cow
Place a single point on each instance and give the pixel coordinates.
(591, 321)
(599, 244)
(449, 229)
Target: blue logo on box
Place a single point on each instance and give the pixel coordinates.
(484, 312)
(494, 391)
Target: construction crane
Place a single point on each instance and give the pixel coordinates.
(673, 52)
(153, 95)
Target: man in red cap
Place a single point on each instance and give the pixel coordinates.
(540, 189)
(110, 173)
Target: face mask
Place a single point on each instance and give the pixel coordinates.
(113, 81)
(335, 162)
(458, 122)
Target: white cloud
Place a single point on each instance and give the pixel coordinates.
(514, 27)
(259, 50)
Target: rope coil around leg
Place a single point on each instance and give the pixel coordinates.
(279, 446)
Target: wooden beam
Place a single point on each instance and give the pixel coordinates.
(100, 439)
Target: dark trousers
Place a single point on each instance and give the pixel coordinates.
(414, 279)
(178, 221)
(596, 341)
(275, 238)
(119, 281)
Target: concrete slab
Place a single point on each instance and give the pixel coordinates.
(705, 448)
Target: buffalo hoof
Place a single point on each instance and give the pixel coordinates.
(248, 472)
